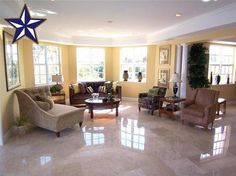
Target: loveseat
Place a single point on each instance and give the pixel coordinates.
(56, 118)
(78, 99)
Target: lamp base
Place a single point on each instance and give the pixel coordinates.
(175, 89)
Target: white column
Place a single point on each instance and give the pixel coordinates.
(178, 63)
(184, 67)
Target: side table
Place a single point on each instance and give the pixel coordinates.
(172, 107)
(59, 97)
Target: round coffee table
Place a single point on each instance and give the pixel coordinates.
(100, 104)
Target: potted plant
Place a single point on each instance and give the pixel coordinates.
(22, 125)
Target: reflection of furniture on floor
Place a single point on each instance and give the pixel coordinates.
(151, 103)
(202, 109)
(56, 119)
(171, 107)
(93, 104)
(59, 97)
(221, 101)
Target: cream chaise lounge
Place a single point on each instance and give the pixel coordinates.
(56, 119)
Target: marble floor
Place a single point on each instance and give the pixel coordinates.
(133, 144)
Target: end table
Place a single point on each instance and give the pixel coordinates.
(172, 107)
(59, 97)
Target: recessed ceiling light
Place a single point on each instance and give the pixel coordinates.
(206, 0)
(178, 14)
(109, 21)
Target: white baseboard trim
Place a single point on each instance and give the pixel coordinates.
(129, 99)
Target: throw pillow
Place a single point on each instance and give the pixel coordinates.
(90, 90)
(153, 92)
(82, 87)
(76, 88)
(43, 105)
(45, 99)
(102, 89)
(114, 85)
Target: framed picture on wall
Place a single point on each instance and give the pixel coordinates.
(163, 77)
(164, 55)
(11, 60)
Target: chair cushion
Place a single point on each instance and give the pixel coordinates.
(194, 110)
(102, 89)
(205, 97)
(82, 87)
(153, 92)
(43, 105)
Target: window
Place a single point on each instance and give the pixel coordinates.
(46, 63)
(90, 64)
(221, 62)
(134, 60)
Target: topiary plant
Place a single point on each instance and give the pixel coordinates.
(197, 66)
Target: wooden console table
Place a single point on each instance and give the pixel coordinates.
(59, 97)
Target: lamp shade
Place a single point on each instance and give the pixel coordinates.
(175, 78)
(57, 78)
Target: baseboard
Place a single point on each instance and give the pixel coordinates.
(129, 99)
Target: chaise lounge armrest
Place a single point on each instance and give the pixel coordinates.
(187, 103)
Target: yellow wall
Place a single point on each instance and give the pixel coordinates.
(9, 105)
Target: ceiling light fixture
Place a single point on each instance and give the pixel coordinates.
(178, 14)
(206, 0)
(109, 21)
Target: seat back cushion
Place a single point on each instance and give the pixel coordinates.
(153, 92)
(205, 97)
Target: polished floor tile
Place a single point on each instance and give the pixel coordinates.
(133, 144)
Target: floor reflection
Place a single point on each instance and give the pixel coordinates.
(220, 144)
(131, 135)
(94, 135)
(45, 159)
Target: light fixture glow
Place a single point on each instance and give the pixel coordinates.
(178, 14)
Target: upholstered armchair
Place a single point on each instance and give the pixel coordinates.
(201, 110)
(56, 119)
(151, 103)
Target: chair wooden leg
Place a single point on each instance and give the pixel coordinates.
(80, 124)
(212, 125)
(139, 108)
(58, 134)
(152, 112)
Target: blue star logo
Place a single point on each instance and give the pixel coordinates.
(25, 25)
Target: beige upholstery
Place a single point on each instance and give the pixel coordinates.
(56, 119)
(202, 109)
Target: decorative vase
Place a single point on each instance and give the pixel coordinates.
(211, 78)
(125, 75)
(140, 76)
(228, 79)
(218, 79)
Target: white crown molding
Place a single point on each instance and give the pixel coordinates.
(209, 21)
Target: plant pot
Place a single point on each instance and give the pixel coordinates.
(125, 75)
(140, 76)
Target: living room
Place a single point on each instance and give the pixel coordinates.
(176, 148)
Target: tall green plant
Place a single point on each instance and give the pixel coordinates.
(197, 62)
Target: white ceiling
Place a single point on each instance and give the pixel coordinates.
(86, 22)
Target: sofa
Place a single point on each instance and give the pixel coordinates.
(201, 110)
(56, 118)
(151, 102)
(78, 99)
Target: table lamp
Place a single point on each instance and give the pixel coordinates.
(58, 79)
(175, 79)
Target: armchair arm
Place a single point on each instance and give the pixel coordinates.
(209, 113)
(141, 95)
(187, 103)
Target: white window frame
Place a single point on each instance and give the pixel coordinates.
(90, 62)
(220, 65)
(133, 64)
(47, 64)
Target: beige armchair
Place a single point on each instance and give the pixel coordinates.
(202, 109)
(58, 118)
